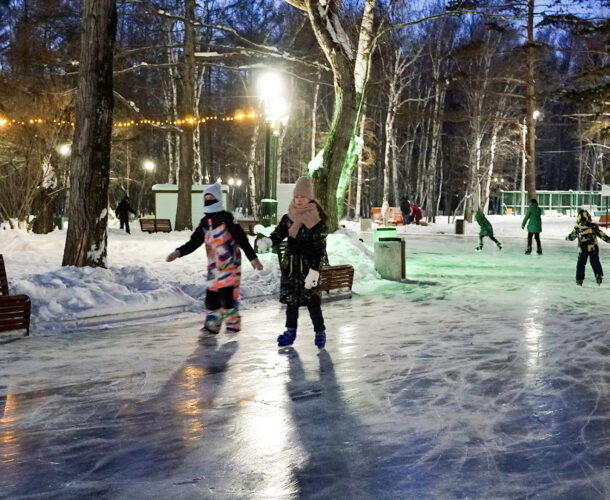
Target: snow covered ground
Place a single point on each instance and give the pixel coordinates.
(484, 376)
(139, 283)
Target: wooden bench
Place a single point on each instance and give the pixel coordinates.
(248, 226)
(14, 309)
(156, 225)
(393, 217)
(339, 278)
(604, 220)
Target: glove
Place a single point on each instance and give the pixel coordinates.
(311, 280)
(264, 244)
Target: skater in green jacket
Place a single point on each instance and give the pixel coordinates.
(534, 226)
(486, 230)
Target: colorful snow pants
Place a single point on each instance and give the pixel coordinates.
(221, 305)
(582, 262)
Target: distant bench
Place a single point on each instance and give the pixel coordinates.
(393, 216)
(156, 225)
(338, 278)
(248, 226)
(604, 220)
(14, 309)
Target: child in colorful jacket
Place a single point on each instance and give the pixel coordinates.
(486, 230)
(222, 238)
(587, 232)
(304, 226)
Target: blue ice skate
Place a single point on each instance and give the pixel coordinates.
(320, 339)
(287, 338)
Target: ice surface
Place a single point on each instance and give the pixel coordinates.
(484, 376)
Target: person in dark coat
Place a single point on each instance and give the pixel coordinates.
(486, 230)
(305, 227)
(587, 233)
(223, 239)
(534, 226)
(122, 212)
(405, 208)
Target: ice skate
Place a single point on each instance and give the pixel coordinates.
(539, 251)
(579, 282)
(499, 246)
(528, 251)
(599, 278)
(478, 249)
(320, 340)
(287, 338)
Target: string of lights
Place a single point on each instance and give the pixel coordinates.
(189, 120)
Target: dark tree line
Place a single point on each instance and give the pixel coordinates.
(440, 98)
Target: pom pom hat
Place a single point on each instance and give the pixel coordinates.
(304, 187)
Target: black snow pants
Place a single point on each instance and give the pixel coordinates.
(582, 262)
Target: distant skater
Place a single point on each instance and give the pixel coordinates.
(222, 238)
(534, 226)
(587, 232)
(486, 230)
(305, 227)
(122, 212)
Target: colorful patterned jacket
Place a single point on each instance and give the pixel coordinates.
(222, 238)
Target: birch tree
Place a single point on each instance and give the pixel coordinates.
(350, 72)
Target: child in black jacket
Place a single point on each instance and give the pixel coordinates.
(305, 227)
(587, 232)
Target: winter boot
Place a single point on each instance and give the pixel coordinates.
(528, 251)
(287, 338)
(213, 320)
(232, 320)
(599, 278)
(499, 245)
(320, 340)
(539, 251)
(579, 282)
(479, 248)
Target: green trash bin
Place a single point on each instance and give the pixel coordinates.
(384, 232)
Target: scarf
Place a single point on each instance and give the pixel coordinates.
(307, 215)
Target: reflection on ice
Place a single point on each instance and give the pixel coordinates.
(533, 339)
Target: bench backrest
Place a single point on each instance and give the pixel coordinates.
(15, 313)
(336, 277)
(3, 278)
(248, 226)
(394, 215)
(604, 218)
(155, 225)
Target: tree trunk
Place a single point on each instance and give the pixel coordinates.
(359, 181)
(185, 178)
(314, 121)
(530, 104)
(86, 237)
(254, 197)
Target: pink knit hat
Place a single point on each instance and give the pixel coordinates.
(304, 187)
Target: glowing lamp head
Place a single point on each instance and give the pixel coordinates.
(148, 165)
(64, 149)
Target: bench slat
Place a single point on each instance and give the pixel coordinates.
(15, 313)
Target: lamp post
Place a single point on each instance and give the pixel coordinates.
(270, 87)
(148, 167)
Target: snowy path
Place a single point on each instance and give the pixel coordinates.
(485, 377)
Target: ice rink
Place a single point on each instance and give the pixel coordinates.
(486, 376)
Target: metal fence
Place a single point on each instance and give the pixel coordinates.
(560, 202)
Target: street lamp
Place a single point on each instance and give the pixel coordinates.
(64, 149)
(148, 165)
(270, 89)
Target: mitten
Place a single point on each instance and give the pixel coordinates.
(311, 280)
(264, 244)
